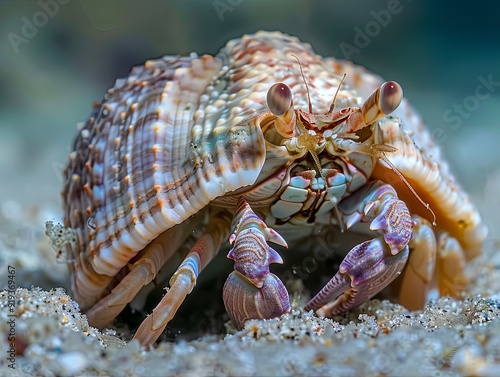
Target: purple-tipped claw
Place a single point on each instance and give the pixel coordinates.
(252, 256)
(251, 291)
(366, 270)
(395, 223)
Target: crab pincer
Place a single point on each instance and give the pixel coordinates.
(372, 265)
(252, 291)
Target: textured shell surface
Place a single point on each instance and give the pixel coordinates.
(181, 134)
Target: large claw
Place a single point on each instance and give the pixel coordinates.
(370, 266)
(251, 291)
(366, 270)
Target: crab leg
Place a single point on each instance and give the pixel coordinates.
(416, 277)
(451, 262)
(141, 273)
(184, 279)
(371, 265)
(251, 291)
(428, 255)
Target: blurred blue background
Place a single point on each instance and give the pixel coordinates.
(52, 71)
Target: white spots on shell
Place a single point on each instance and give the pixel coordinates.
(120, 83)
(220, 103)
(105, 111)
(85, 133)
(98, 195)
(210, 109)
(197, 116)
(214, 94)
(97, 171)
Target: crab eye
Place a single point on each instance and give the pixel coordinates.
(279, 98)
(280, 103)
(391, 95)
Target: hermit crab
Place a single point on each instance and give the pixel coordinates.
(264, 142)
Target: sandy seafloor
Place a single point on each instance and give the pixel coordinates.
(438, 53)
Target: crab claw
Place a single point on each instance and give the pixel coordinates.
(370, 266)
(252, 256)
(244, 301)
(366, 270)
(395, 223)
(251, 291)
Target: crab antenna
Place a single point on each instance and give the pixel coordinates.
(395, 170)
(305, 82)
(335, 96)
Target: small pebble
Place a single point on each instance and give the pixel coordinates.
(69, 363)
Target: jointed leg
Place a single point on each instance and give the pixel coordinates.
(450, 268)
(141, 273)
(184, 279)
(418, 274)
(442, 257)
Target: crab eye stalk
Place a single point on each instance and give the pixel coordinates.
(280, 103)
(383, 101)
(391, 95)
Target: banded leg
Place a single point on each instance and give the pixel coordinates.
(183, 280)
(372, 265)
(141, 273)
(251, 291)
